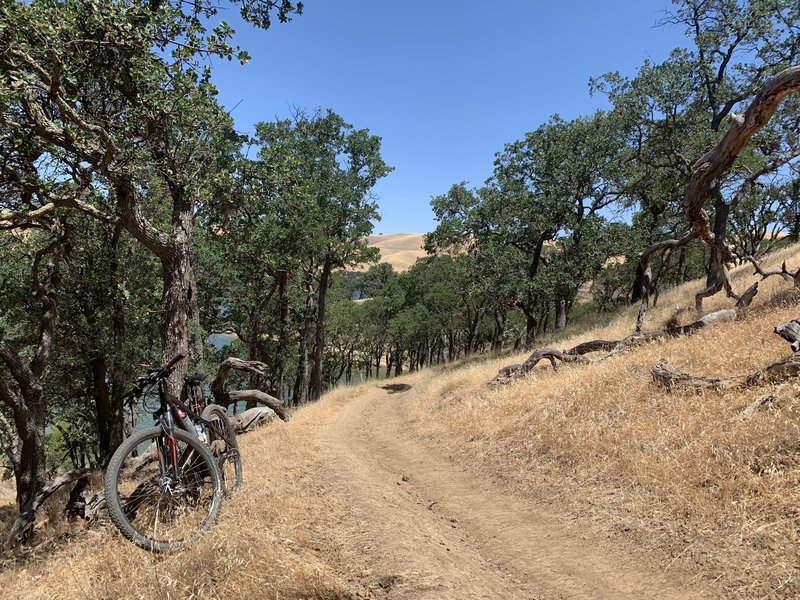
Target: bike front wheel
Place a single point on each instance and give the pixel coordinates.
(163, 491)
(224, 447)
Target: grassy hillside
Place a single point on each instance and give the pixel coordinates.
(688, 480)
(401, 250)
(686, 475)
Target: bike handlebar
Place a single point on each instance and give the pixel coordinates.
(154, 375)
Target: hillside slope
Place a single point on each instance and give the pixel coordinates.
(585, 482)
(401, 250)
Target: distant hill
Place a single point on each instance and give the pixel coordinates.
(401, 250)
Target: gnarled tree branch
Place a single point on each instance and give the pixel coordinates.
(224, 398)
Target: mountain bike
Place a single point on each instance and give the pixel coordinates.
(163, 485)
(214, 427)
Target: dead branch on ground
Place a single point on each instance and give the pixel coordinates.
(23, 525)
(612, 348)
(782, 370)
(252, 418)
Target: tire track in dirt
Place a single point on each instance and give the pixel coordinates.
(430, 530)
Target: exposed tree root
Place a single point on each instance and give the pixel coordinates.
(23, 525)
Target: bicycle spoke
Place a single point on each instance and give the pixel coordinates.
(159, 510)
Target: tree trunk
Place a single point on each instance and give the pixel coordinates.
(398, 361)
(106, 427)
(319, 339)
(707, 170)
(389, 362)
(178, 301)
(179, 290)
(283, 335)
(27, 402)
(682, 265)
(117, 412)
(531, 324)
(561, 316)
(473, 322)
(348, 373)
(721, 214)
(499, 330)
(254, 334)
(795, 230)
(302, 352)
(30, 458)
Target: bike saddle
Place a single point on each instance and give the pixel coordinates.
(195, 379)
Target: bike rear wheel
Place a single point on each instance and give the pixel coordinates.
(224, 447)
(162, 492)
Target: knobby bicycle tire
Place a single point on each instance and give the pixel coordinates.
(224, 447)
(154, 509)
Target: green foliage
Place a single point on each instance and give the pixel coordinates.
(673, 112)
(318, 173)
(109, 123)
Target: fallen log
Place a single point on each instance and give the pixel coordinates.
(395, 388)
(635, 339)
(514, 372)
(252, 418)
(783, 370)
(791, 333)
(669, 379)
(593, 346)
(719, 316)
(270, 402)
(612, 348)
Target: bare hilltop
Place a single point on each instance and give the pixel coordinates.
(401, 250)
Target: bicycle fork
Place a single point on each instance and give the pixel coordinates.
(167, 452)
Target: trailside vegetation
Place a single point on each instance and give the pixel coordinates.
(137, 223)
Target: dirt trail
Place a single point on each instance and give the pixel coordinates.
(427, 529)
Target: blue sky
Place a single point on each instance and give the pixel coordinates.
(445, 83)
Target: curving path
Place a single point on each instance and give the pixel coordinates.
(427, 529)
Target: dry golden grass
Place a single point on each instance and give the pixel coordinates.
(265, 545)
(681, 477)
(675, 472)
(401, 250)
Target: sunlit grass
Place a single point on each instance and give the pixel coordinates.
(683, 476)
(669, 468)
